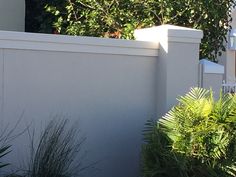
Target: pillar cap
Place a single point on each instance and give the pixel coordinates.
(171, 32)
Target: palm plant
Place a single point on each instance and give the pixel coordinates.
(197, 137)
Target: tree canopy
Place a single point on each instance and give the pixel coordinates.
(119, 18)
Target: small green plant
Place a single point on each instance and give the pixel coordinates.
(196, 138)
(4, 150)
(57, 151)
(6, 136)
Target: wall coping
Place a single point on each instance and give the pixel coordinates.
(211, 67)
(65, 43)
(171, 32)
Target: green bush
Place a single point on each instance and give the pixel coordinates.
(4, 150)
(119, 18)
(57, 153)
(6, 136)
(196, 138)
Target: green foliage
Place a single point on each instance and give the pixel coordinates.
(6, 136)
(195, 138)
(56, 154)
(119, 18)
(4, 150)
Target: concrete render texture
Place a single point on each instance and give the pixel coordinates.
(111, 95)
(12, 15)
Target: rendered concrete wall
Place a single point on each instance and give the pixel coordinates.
(213, 81)
(111, 87)
(111, 95)
(12, 15)
(211, 76)
(228, 58)
(177, 65)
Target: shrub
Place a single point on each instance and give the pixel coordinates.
(4, 150)
(57, 151)
(119, 18)
(6, 136)
(197, 137)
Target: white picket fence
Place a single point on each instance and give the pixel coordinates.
(228, 87)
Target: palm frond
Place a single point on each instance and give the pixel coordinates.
(201, 136)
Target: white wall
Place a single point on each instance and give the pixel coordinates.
(177, 66)
(211, 76)
(110, 86)
(111, 95)
(12, 15)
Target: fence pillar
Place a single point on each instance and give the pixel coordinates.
(177, 66)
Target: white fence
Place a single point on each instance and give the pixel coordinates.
(228, 87)
(111, 86)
